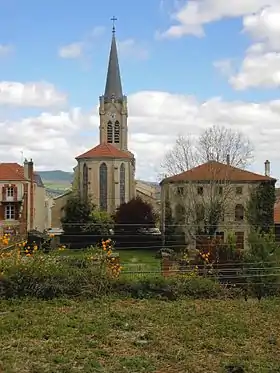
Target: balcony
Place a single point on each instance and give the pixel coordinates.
(10, 199)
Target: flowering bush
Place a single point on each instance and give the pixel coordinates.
(108, 261)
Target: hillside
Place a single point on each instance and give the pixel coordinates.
(56, 176)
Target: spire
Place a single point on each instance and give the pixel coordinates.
(113, 82)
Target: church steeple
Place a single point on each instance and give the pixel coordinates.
(113, 104)
(113, 88)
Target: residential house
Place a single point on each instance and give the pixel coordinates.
(191, 192)
(22, 199)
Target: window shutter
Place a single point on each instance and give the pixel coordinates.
(3, 193)
(15, 192)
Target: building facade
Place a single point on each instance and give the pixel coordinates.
(190, 194)
(22, 199)
(106, 173)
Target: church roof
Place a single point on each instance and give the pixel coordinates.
(217, 171)
(105, 151)
(113, 82)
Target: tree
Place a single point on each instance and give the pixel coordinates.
(77, 214)
(135, 214)
(101, 223)
(216, 143)
(216, 146)
(260, 207)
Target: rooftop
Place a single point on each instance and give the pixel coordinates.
(105, 151)
(217, 171)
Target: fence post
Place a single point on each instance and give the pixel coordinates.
(165, 265)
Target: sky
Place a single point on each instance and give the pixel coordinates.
(185, 66)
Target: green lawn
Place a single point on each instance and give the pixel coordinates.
(131, 260)
(130, 336)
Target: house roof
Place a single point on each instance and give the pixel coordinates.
(217, 171)
(15, 172)
(105, 151)
(11, 172)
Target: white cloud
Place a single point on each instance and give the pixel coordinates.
(192, 15)
(5, 50)
(261, 64)
(31, 94)
(71, 51)
(78, 49)
(156, 118)
(261, 21)
(132, 48)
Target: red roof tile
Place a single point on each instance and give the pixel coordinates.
(217, 171)
(11, 172)
(105, 151)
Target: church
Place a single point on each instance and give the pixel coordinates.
(106, 173)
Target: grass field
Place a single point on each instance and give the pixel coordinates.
(129, 336)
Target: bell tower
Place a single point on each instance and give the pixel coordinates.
(113, 104)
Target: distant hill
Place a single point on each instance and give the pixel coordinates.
(56, 177)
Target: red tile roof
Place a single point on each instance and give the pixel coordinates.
(11, 172)
(217, 171)
(105, 151)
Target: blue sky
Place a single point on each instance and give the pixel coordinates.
(183, 65)
(38, 28)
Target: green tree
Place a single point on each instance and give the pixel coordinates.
(260, 208)
(77, 214)
(261, 264)
(101, 223)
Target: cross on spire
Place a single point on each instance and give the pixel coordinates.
(113, 19)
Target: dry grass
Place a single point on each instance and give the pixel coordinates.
(139, 336)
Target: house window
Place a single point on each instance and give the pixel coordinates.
(239, 213)
(117, 133)
(239, 240)
(103, 187)
(85, 181)
(10, 191)
(220, 236)
(180, 213)
(180, 191)
(200, 191)
(238, 190)
(10, 212)
(109, 132)
(200, 212)
(220, 190)
(122, 183)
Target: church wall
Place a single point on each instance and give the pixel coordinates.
(113, 179)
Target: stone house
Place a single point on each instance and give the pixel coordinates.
(192, 192)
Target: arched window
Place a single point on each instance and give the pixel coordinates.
(117, 132)
(109, 132)
(85, 181)
(122, 183)
(239, 212)
(103, 187)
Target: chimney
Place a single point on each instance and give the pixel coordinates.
(228, 159)
(25, 168)
(30, 169)
(267, 168)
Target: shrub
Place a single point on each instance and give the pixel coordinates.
(260, 270)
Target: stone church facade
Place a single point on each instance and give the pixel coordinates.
(106, 172)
